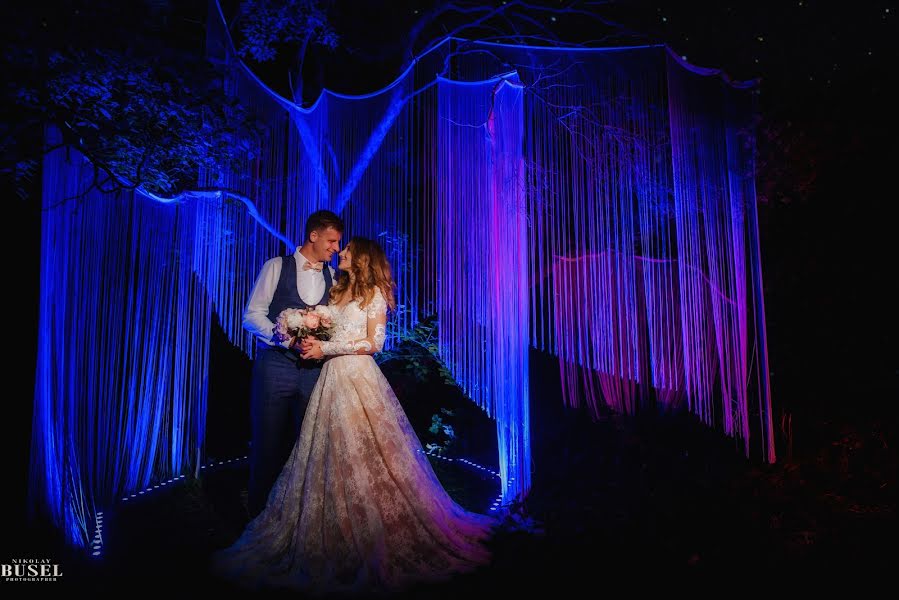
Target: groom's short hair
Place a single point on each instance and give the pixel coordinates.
(322, 219)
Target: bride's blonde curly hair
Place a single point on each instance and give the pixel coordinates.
(369, 269)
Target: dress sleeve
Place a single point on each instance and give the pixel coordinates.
(376, 331)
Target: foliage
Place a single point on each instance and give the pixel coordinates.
(268, 25)
(442, 432)
(789, 159)
(139, 105)
(418, 349)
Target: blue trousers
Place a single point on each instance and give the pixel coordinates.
(280, 390)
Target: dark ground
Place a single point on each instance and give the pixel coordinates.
(655, 494)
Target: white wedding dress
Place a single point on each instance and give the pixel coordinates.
(357, 505)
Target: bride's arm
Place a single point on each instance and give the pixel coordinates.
(376, 332)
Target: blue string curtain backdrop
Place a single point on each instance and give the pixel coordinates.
(595, 204)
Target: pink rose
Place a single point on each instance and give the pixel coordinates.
(311, 320)
(326, 322)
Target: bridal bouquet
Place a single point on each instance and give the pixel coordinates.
(301, 323)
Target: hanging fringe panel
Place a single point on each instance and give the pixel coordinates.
(596, 204)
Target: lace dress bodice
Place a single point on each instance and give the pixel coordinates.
(356, 328)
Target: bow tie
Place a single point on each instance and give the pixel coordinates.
(308, 266)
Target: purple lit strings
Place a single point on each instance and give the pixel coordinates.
(482, 272)
(645, 280)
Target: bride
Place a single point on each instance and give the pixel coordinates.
(357, 505)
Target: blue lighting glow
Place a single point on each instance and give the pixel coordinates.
(554, 205)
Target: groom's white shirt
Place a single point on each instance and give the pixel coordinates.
(310, 286)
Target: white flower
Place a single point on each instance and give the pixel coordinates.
(295, 319)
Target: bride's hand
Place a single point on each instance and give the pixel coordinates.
(312, 349)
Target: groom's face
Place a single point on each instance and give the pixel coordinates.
(325, 242)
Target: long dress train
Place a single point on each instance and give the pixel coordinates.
(357, 505)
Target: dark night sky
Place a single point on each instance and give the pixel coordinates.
(801, 49)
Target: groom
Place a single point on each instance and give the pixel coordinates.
(282, 381)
